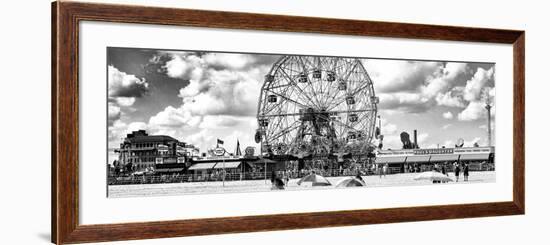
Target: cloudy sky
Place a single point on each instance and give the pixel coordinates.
(197, 97)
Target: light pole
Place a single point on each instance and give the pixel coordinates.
(488, 107)
(220, 152)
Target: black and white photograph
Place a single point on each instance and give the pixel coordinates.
(184, 122)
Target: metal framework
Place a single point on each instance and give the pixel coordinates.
(316, 106)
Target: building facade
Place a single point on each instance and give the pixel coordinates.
(140, 151)
(407, 160)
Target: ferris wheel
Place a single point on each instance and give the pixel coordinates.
(316, 105)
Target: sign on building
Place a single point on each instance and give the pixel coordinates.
(159, 160)
(219, 151)
(434, 151)
(249, 151)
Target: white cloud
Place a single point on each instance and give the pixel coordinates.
(228, 61)
(125, 101)
(431, 146)
(446, 80)
(475, 85)
(221, 121)
(125, 85)
(421, 138)
(204, 139)
(123, 89)
(392, 142)
(471, 143)
(388, 128)
(448, 115)
(218, 97)
(185, 66)
(173, 117)
(478, 94)
(474, 111)
(406, 101)
(399, 75)
(446, 126)
(420, 91)
(224, 92)
(225, 128)
(113, 113)
(449, 143)
(448, 99)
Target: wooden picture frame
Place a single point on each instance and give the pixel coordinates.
(65, 121)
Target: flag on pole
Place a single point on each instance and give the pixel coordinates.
(219, 142)
(238, 151)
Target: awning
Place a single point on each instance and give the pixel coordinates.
(222, 165)
(444, 158)
(478, 156)
(424, 158)
(167, 170)
(400, 159)
(263, 161)
(203, 166)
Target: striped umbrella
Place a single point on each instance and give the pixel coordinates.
(315, 179)
(350, 182)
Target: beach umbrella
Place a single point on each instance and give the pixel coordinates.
(315, 179)
(350, 182)
(433, 175)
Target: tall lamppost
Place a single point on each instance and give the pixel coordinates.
(488, 107)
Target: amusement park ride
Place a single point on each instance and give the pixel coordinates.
(319, 110)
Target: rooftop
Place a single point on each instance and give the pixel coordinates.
(141, 136)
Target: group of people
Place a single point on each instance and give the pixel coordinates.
(457, 167)
(381, 169)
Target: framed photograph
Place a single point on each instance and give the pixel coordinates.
(176, 122)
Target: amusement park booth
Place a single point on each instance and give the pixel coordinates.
(395, 163)
(401, 161)
(214, 168)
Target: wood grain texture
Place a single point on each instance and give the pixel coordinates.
(519, 123)
(53, 122)
(65, 121)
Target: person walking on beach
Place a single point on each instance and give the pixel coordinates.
(466, 172)
(457, 171)
(443, 170)
(385, 170)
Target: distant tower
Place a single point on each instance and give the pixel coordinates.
(488, 106)
(379, 123)
(415, 146)
(380, 136)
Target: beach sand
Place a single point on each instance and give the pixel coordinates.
(217, 187)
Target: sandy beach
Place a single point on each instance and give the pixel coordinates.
(191, 188)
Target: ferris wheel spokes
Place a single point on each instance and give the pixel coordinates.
(318, 103)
